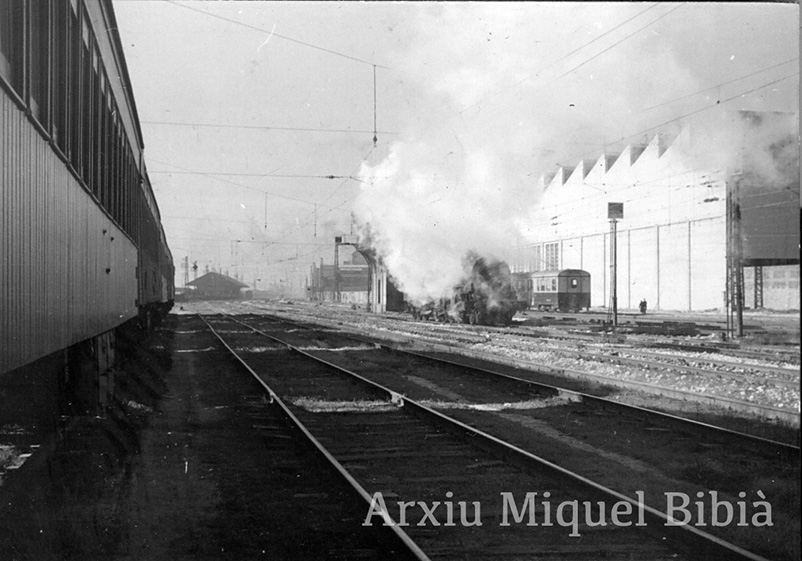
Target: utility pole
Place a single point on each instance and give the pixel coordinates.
(735, 279)
(615, 211)
(337, 241)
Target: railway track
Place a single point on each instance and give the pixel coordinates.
(720, 366)
(391, 443)
(756, 352)
(704, 430)
(519, 347)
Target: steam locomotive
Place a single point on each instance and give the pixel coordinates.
(487, 297)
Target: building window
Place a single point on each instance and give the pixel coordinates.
(537, 259)
(552, 256)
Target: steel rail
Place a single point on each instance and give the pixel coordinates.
(721, 361)
(790, 448)
(411, 546)
(663, 363)
(766, 411)
(609, 402)
(717, 545)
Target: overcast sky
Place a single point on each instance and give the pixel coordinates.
(249, 109)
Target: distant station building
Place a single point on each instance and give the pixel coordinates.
(347, 283)
(690, 227)
(216, 286)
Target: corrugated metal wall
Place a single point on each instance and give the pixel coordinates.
(68, 273)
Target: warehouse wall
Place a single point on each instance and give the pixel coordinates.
(671, 246)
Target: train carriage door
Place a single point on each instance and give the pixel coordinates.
(573, 287)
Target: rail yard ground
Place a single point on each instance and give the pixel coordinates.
(192, 461)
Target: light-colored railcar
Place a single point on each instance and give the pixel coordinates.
(567, 290)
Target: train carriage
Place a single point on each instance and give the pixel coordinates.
(566, 290)
(83, 248)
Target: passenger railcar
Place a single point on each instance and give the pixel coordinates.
(566, 290)
(82, 246)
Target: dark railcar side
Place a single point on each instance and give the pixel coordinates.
(80, 228)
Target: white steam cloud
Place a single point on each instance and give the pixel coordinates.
(501, 98)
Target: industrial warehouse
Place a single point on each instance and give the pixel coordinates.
(680, 215)
(450, 281)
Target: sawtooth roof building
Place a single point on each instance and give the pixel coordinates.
(683, 218)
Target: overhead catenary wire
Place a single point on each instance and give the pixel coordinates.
(375, 138)
(272, 33)
(268, 127)
(299, 224)
(583, 63)
(212, 176)
(331, 209)
(239, 174)
(713, 87)
(345, 183)
(549, 65)
(717, 103)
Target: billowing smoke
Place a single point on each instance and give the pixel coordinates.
(500, 94)
(426, 218)
(762, 145)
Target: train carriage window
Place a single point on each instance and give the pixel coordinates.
(87, 147)
(40, 65)
(554, 285)
(74, 97)
(103, 136)
(11, 42)
(59, 57)
(574, 283)
(95, 124)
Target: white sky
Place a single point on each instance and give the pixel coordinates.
(474, 101)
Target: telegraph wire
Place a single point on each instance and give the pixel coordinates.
(584, 62)
(210, 176)
(619, 42)
(228, 242)
(278, 175)
(706, 107)
(260, 127)
(598, 37)
(274, 34)
(290, 230)
(375, 138)
(553, 63)
(720, 84)
(654, 129)
(331, 209)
